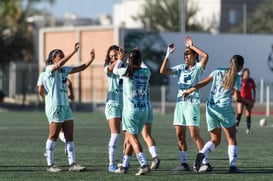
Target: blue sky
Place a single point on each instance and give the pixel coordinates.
(82, 8)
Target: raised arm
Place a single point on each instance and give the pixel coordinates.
(121, 57)
(164, 69)
(203, 54)
(66, 58)
(84, 65)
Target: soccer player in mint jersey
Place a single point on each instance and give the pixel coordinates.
(226, 83)
(187, 110)
(135, 107)
(70, 94)
(57, 109)
(147, 136)
(113, 106)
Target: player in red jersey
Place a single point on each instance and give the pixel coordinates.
(248, 91)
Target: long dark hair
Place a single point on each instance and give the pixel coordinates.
(236, 63)
(52, 55)
(134, 62)
(107, 58)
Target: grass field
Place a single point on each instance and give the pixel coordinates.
(23, 136)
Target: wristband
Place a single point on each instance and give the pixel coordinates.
(168, 53)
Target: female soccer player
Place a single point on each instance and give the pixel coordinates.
(187, 111)
(70, 94)
(248, 92)
(113, 106)
(219, 112)
(148, 138)
(135, 107)
(58, 111)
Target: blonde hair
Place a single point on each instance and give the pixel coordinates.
(236, 64)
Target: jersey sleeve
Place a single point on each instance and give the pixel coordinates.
(176, 69)
(67, 69)
(199, 66)
(40, 79)
(237, 83)
(106, 69)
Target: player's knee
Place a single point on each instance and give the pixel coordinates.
(216, 142)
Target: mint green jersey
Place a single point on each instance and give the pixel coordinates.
(114, 92)
(136, 90)
(42, 82)
(55, 85)
(218, 95)
(186, 79)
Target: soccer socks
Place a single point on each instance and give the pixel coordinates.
(50, 146)
(207, 148)
(153, 151)
(61, 137)
(112, 147)
(183, 156)
(70, 152)
(125, 161)
(232, 154)
(238, 118)
(141, 159)
(248, 122)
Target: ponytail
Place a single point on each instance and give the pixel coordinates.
(134, 61)
(236, 64)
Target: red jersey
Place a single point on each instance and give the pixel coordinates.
(248, 85)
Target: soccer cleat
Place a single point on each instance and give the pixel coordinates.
(143, 170)
(112, 168)
(182, 167)
(119, 165)
(248, 131)
(121, 170)
(198, 162)
(205, 168)
(234, 169)
(155, 163)
(76, 168)
(53, 168)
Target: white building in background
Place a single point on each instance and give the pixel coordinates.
(208, 13)
(123, 13)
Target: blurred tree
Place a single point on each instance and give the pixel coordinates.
(164, 15)
(261, 21)
(16, 34)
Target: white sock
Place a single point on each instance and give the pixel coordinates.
(207, 148)
(50, 146)
(183, 155)
(61, 137)
(153, 151)
(141, 159)
(112, 147)
(70, 152)
(232, 154)
(125, 161)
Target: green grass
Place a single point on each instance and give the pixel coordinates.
(23, 136)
